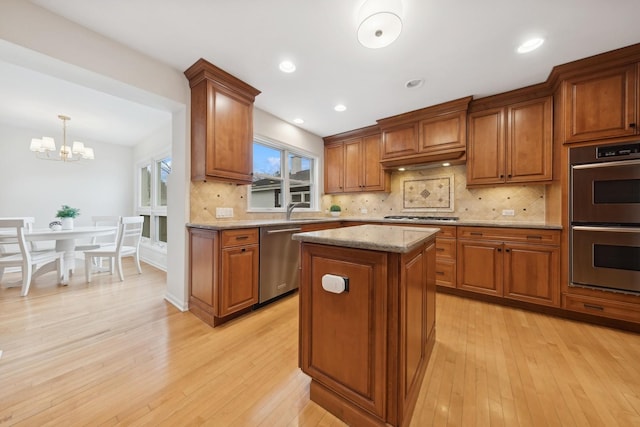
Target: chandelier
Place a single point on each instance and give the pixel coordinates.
(45, 148)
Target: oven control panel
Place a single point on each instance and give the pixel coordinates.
(618, 150)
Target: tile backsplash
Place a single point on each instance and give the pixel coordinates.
(484, 204)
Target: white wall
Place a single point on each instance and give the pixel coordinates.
(75, 53)
(33, 187)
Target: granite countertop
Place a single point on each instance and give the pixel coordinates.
(231, 224)
(384, 238)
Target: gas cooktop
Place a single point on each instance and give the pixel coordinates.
(422, 218)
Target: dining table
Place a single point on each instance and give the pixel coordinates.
(66, 243)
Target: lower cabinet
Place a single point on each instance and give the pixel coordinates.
(520, 264)
(223, 272)
(446, 256)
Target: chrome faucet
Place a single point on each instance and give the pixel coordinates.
(292, 206)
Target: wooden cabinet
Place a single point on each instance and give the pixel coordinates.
(603, 104)
(521, 264)
(511, 144)
(223, 272)
(446, 256)
(316, 226)
(430, 134)
(221, 125)
(367, 349)
(352, 162)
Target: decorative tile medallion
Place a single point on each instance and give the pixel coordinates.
(433, 194)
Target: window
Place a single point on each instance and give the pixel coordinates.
(281, 175)
(152, 199)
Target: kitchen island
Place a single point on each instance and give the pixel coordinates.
(367, 319)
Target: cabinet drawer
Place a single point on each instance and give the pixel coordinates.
(602, 307)
(529, 235)
(446, 231)
(446, 249)
(240, 237)
(446, 273)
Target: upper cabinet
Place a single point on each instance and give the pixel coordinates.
(431, 134)
(352, 162)
(221, 125)
(602, 104)
(512, 143)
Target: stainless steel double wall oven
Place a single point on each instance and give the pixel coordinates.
(605, 217)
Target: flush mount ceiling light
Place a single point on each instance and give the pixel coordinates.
(287, 67)
(379, 23)
(340, 108)
(529, 45)
(45, 148)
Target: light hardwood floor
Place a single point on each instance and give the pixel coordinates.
(116, 353)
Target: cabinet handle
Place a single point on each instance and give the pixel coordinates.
(243, 250)
(593, 307)
(507, 250)
(441, 273)
(242, 237)
(537, 237)
(501, 176)
(509, 176)
(475, 233)
(440, 249)
(632, 125)
(499, 250)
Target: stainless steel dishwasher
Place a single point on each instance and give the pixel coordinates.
(279, 261)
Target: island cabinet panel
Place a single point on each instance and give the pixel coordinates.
(223, 273)
(602, 104)
(367, 349)
(345, 348)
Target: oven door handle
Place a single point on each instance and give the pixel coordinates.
(607, 164)
(610, 229)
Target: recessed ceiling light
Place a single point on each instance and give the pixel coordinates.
(340, 107)
(446, 164)
(414, 84)
(529, 45)
(287, 67)
(402, 169)
(298, 121)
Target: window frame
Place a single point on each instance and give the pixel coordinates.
(154, 210)
(286, 150)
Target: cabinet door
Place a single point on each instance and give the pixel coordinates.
(230, 141)
(532, 273)
(399, 141)
(601, 105)
(443, 133)
(485, 150)
(375, 178)
(238, 279)
(480, 266)
(352, 165)
(334, 168)
(529, 143)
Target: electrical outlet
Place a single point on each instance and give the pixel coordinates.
(364, 210)
(508, 212)
(224, 212)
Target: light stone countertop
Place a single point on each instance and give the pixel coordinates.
(232, 224)
(384, 238)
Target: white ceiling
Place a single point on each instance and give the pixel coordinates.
(460, 48)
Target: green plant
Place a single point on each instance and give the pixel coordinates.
(67, 212)
(335, 208)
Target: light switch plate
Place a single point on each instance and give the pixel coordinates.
(508, 212)
(224, 212)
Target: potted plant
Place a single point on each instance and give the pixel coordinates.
(335, 210)
(66, 215)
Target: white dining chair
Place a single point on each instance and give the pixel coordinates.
(13, 231)
(127, 245)
(101, 241)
